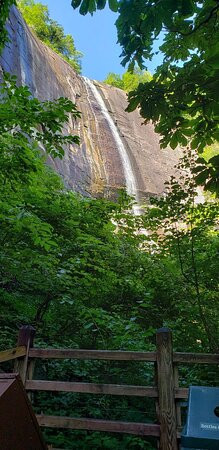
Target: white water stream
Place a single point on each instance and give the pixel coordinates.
(131, 185)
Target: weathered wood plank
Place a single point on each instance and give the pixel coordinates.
(196, 358)
(176, 384)
(141, 429)
(13, 353)
(165, 379)
(29, 376)
(181, 393)
(116, 355)
(91, 388)
(25, 337)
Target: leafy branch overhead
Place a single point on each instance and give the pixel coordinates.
(92, 5)
(4, 13)
(23, 116)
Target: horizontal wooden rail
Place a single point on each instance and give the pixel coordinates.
(116, 355)
(167, 393)
(196, 358)
(141, 429)
(13, 353)
(93, 388)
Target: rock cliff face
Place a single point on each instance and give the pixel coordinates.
(116, 150)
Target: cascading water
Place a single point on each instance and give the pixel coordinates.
(130, 180)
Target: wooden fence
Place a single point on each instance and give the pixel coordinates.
(167, 393)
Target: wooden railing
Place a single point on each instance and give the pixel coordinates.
(166, 393)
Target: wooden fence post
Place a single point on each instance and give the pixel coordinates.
(178, 407)
(165, 381)
(25, 337)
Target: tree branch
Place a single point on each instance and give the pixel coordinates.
(206, 20)
(210, 338)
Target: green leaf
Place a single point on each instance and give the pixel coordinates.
(84, 7)
(198, 169)
(133, 104)
(201, 160)
(101, 4)
(174, 141)
(183, 141)
(75, 3)
(187, 7)
(202, 177)
(92, 6)
(214, 161)
(188, 131)
(212, 185)
(88, 326)
(113, 5)
(195, 143)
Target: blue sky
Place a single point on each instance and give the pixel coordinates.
(95, 36)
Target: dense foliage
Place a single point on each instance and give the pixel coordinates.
(49, 31)
(81, 271)
(182, 98)
(4, 12)
(128, 81)
(188, 224)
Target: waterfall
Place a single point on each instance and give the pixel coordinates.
(130, 180)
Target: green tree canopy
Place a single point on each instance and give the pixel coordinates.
(182, 98)
(67, 258)
(4, 12)
(81, 271)
(128, 81)
(49, 31)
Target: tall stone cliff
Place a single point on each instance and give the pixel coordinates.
(116, 150)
